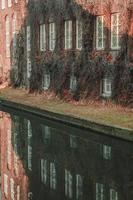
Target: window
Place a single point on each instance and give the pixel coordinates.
(46, 81)
(73, 141)
(107, 87)
(52, 176)
(3, 4)
(12, 189)
(42, 37)
(73, 83)
(6, 185)
(9, 3)
(100, 32)
(28, 40)
(115, 31)
(43, 171)
(28, 33)
(68, 34)
(14, 33)
(79, 187)
(7, 37)
(107, 152)
(78, 34)
(113, 194)
(28, 65)
(52, 36)
(68, 184)
(99, 191)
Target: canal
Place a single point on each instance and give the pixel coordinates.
(43, 159)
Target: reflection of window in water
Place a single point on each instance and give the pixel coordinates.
(29, 130)
(68, 184)
(30, 196)
(18, 192)
(79, 187)
(48, 169)
(15, 132)
(9, 147)
(43, 171)
(12, 189)
(6, 185)
(52, 176)
(113, 194)
(107, 152)
(99, 191)
(73, 141)
(46, 134)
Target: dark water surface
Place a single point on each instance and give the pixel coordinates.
(45, 160)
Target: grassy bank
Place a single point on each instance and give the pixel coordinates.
(100, 112)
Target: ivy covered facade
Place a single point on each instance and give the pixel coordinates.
(78, 49)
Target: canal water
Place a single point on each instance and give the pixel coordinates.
(43, 159)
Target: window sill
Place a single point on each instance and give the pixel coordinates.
(105, 95)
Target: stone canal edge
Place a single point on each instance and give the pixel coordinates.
(114, 131)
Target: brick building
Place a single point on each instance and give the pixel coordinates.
(77, 48)
(12, 15)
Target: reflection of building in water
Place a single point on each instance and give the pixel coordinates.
(14, 179)
(42, 160)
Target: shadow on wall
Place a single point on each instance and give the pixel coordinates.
(47, 57)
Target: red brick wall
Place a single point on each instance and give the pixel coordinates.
(19, 9)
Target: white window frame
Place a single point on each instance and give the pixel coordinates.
(115, 28)
(7, 24)
(73, 83)
(79, 33)
(3, 4)
(28, 38)
(113, 194)
(99, 191)
(28, 46)
(28, 65)
(46, 81)
(9, 3)
(53, 179)
(68, 34)
(52, 36)
(107, 150)
(106, 87)
(68, 184)
(100, 36)
(79, 187)
(6, 185)
(42, 37)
